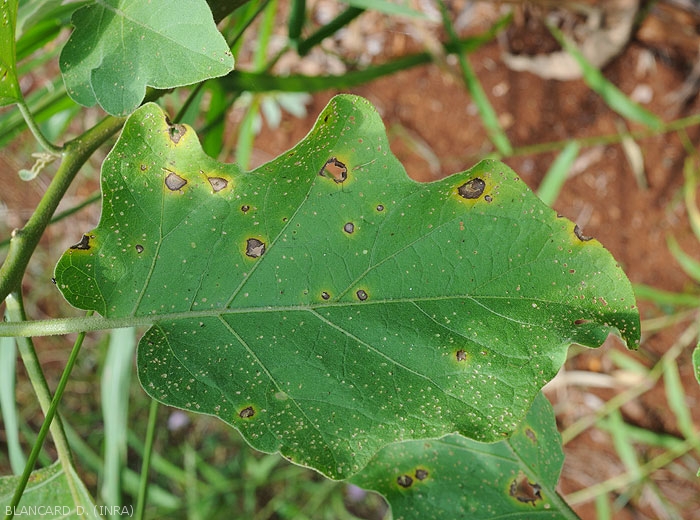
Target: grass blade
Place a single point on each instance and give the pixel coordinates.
(675, 395)
(8, 363)
(612, 96)
(148, 450)
(331, 27)
(690, 266)
(114, 386)
(556, 176)
(690, 172)
(486, 111)
(297, 16)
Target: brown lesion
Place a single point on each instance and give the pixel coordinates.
(334, 169)
(247, 412)
(405, 481)
(175, 131)
(472, 189)
(254, 248)
(217, 183)
(173, 181)
(525, 491)
(84, 243)
(579, 234)
(530, 434)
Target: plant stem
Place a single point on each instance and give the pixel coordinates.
(148, 450)
(49, 405)
(25, 240)
(31, 123)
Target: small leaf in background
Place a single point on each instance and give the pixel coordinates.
(454, 477)
(9, 86)
(42, 160)
(48, 495)
(119, 47)
(696, 362)
(325, 304)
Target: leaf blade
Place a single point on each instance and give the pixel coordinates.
(119, 47)
(343, 306)
(444, 478)
(9, 85)
(48, 495)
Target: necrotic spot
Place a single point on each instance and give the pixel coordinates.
(245, 208)
(246, 412)
(579, 234)
(139, 248)
(529, 432)
(421, 474)
(325, 295)
(404, 481)
(349, 228)
(334, 169)
(472, 189)
(176, 132)
(254, 248)
(174, 182)
(380, 207)
(217, 183)
(361, 295)
(83, 244)
(524, 491)
(461, 355)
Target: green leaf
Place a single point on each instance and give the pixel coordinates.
(119, 47)
(696, 362)
(48, 495)
(325, 304)
(9, 86)
(454, 477)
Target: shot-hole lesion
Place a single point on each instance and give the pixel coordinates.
(335, 170)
